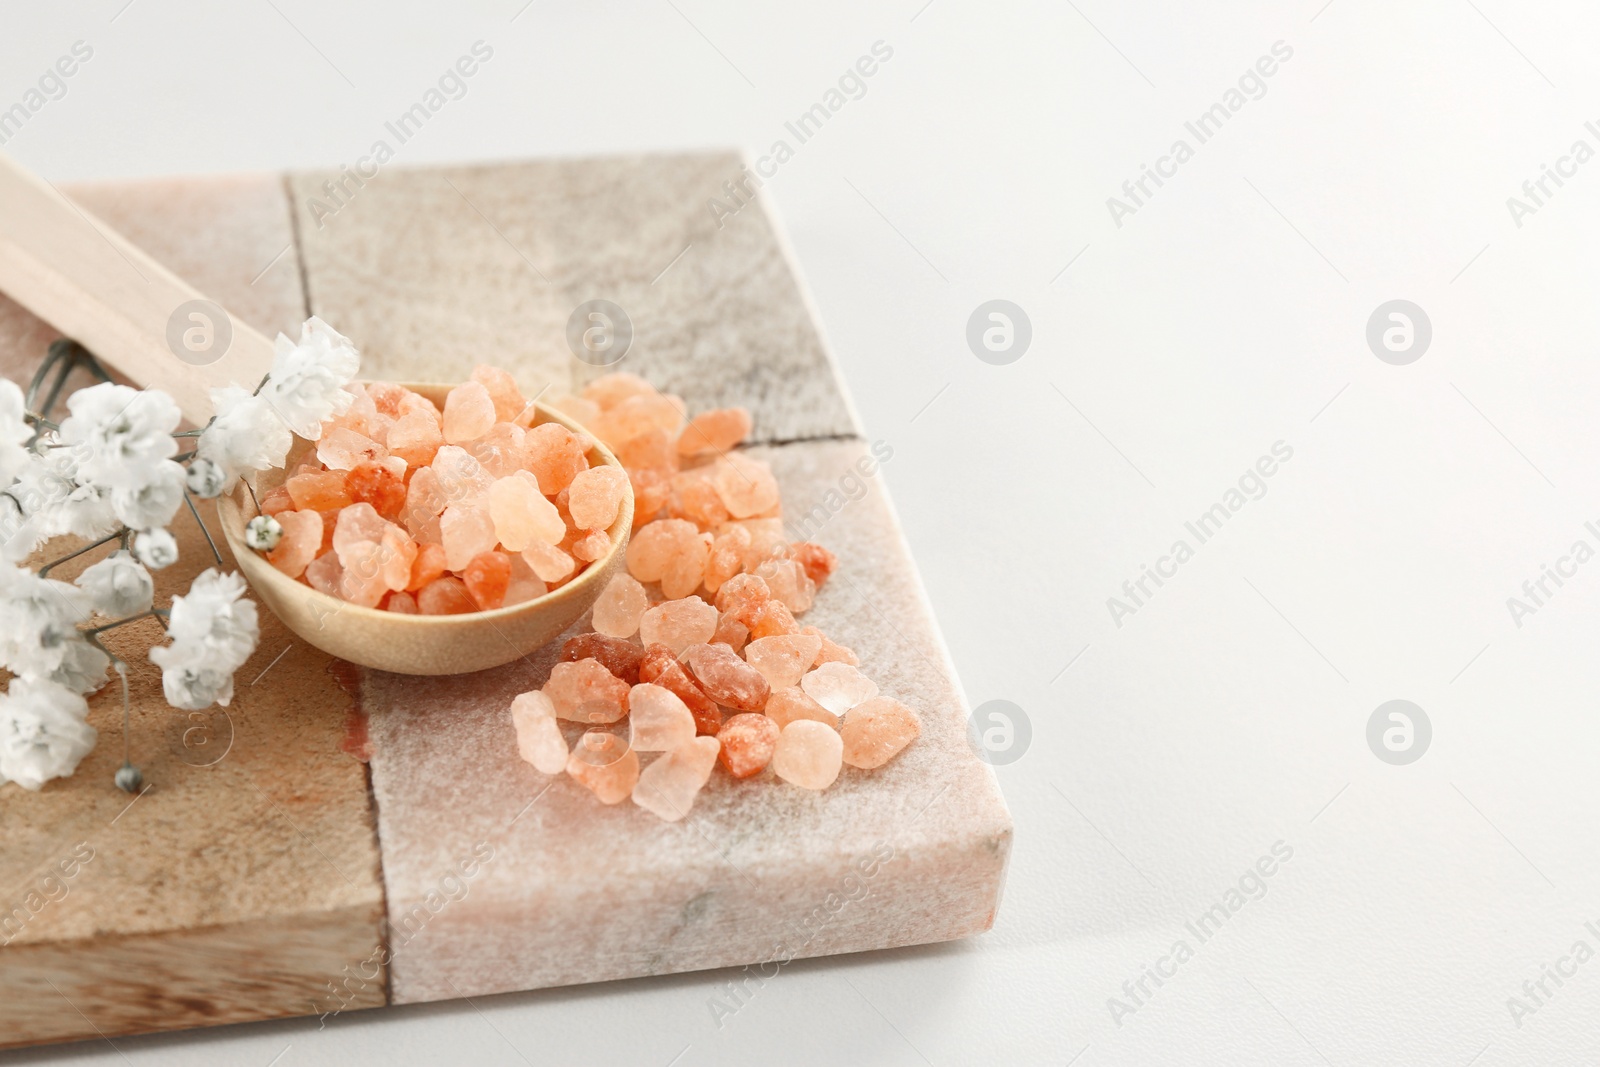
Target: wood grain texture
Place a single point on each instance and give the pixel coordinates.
(433, 270)
(254, 840)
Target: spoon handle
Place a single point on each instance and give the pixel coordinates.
(91, 283)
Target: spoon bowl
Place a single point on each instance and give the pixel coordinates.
(421, 644)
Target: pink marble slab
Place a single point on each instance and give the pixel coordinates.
(759, 871)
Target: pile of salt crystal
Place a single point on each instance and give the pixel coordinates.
(416, 510)
(729, 677)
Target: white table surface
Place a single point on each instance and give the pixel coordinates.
(1228, 313)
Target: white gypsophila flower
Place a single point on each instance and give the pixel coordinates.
(155, 548)
(306, 386)
(204, 478)
(190, 687)
(44, 732)
(213, 632)
(55, 500)
(247, 435)
(14, 431)
(83, 667)
(19, 535)
(263, 533)
(121, 434)
(87, 512)
(153, 502)
(38, 617)
(118, 586)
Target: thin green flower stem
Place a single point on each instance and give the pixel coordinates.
(44, 572)
(187, 499)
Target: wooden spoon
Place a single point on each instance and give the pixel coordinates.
(86, 280)
(97, 287)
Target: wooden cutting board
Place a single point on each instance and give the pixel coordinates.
(340, 839)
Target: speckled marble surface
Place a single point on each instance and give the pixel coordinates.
(434, 270)
(580, 892)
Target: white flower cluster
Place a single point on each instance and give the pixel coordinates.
(109, 466)
(306, 387)
(213, 632)
(111, 471)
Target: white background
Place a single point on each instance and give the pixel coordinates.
(1227, 314)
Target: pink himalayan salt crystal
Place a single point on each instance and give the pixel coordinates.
(731, 632)
(547, 561)
(609, 390)
(461, 477)
(726, 678)
(554, 455)
(361, 581)
(468, 413)
(341, 449)
(784, 706)
(619, 607)
(746, 485)
(586, 692)
(696, 499)
(638, 415)
(655, 547)
(838, 687)
(412, 402)
(783, 661)
(687, 570)
(398, 553)
(726, 557)
(361, 415)
(595, 496)
(678, 624)
(539, 739)
(301, 541)
(876, 730)
(604, 764)
(832, 652)
(668, 787)
(576, 408)
(401, 604)
(591, 547)
(425, 499)
(767, 541)
(465, 532)
(499, 451)
(525, 584)
(358, 523)
(502, 389)
(789, 582)
(809, 754)
(324, 572)
(743, 596)
(649, 450)
(748, 741)
(415, 437)
(445, 596)
(521, 514)
(714, 431)
(659, 720)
